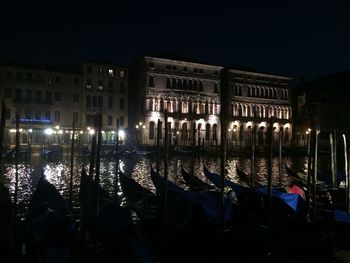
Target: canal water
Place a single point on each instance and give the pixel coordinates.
(57, 171)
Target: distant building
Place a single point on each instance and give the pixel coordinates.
(190, 93)
(48, 100)
(253, 98)
(323, 104)
(105, 91)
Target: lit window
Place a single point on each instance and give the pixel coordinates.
(100, 85)
(122, 74)
(100, 70)
(88, 84)
(111, 72)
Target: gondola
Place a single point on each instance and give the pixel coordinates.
(282, 199)
(111, 226)
(245, 177)
(141, 200)
(194, 183)
(203, 206)
(50, 229)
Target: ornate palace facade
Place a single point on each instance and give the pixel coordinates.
(190, 93)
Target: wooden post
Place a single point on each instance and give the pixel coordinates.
(193, 153)
(252, 161)
(159, 132)
(2, 135)
(165, 194)
(347, 187)
(280, 156)
(71, 168)
(16, 167)
(309, 168)
(314, 208)
(117, 162)
(331, 142)
(269, 175)
(335, 182)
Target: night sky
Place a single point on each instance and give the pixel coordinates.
(293, 40)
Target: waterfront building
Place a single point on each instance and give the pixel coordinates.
(254, 98)
(190, 94)
(105, 91)
(188, 91)
(47, 99)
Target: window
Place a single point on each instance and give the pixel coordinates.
(216, 88)
(88, 119)
(58, 79)
(18, 113)
(57, 96)
(151, 81)
(18, 75)
(38, 115)
(174, 67)
(88, 101)
(185, 69)
(76, 81)
(29, 76)
(100, 86)
(168, 83)
(75, 97)
(88, 70)
(110, 85)
(151, 65)
(8, 92)
(111, 72)
(122, 74)
(47, 115)
(200, 86)
(122, 88)
(216, 73)
(48, 80)
(94, 101)
(38, 96)
(168, 67)
(100, 71)
(88, 84)
(28, 114)
(57, 116)
(195, 70)
(200, 70)
(18, 94)
(151, 130)
(100, 102)
(39, 77)
(48, 95)
(75, 116)
(121, 104)
(121, 121)
(110, 120)
(110, 102)
(29, 95)
(8, 114)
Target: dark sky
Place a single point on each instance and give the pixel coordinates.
(294, 40)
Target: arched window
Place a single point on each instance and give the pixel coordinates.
(161, 104)
(168, 83)
(211, 108)
(206, 107)
(215, 134)
(249, 91)
(200, 85)
(179, 84)
(195, 85)
(190, 85)
(151, 130)
(216, 88)
(207, 132)
(215, 108)
(168, 106)
(151, 81)
(185, 84)
(184, 135)
(174, 84)
(150, 104)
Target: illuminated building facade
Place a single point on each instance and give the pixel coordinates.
(253, 98)
(48, 100)
(190, 93)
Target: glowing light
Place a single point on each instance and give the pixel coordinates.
(92, 131)
(177, 132)
(67, 131)
(113, 132)
(143, 127)
(12, 130)
(57, 127)
(234, 130)
(88, 128)
(249, 124)
(121, 135)
(102, 131)
(60, 132)
(30, 130)
(48, 131)
(137, 126)
(262, 124)
(81, 132)
(309, 130)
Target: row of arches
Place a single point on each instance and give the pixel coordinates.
(261, 92)
(260, 111)
(183, 106)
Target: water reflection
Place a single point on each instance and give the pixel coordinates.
(58, 173)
